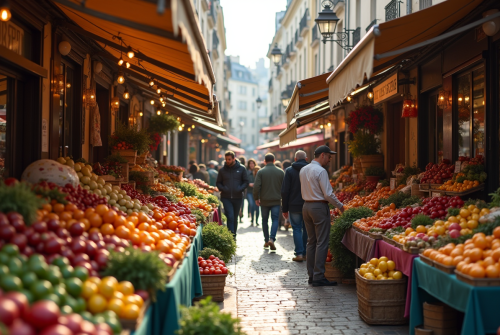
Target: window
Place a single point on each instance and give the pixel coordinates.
(253, 106)
(239, 74)
(242, 105)
(243, 90)
(435, 130)
(253, 91)
(253, 123)
(244, 138)
(253, 139)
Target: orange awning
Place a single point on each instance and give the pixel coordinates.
(234, 138)
(408, 30)
(269, 129)
(167, 43)
(236, 149)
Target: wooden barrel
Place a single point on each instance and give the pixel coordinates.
(381, 302)
(371, 160)
(441, 319)
(332, 273)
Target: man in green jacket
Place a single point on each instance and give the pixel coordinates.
(267, 195)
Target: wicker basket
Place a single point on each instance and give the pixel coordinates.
(381, 302)
(129, 155)
(142, 158)
(213, 285)
(332, 273)
(441, 319)
(150, 176)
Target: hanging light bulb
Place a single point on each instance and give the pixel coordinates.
(329, 124)
(192, 126)
(158, 90)
(321, 126)
(163, 104)
(161, 98)
(158, 112)
(370, 95)
(127, 64)
(349, 98)
(151, 83)
(152, 102)
(130, 53)
(183, 125)
(141, 113)
(180, 128)
(126, 95)
(121, 77)
(178, 118)
(5, 13)
(166, 112)
(120, 62)
(189, 129)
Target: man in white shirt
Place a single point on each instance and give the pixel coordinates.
(317, 193)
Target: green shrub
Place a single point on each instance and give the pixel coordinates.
(397, 199)
(364, 144)
(221, 239)
(343, 259)
(375, 171)
(205, 318)
(207, 252)
(162, 124)
(19, 198)
(188, 189)
(212, 199)
(413, 200)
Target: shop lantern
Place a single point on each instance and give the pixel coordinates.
(121, 77)
(120, 61)
(115, 104)
(126, 94)
(152, 102)
(90, 97)
(443, 99)
(409, 108)
(276, 54)
(141, 113)
(5, 13)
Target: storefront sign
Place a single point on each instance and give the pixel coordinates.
(11, 37)
(387, 89)
(435, 194)
(45, 135)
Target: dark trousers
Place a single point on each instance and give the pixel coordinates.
(232, 209)
(317, 220)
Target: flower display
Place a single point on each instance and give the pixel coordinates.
(365, 118)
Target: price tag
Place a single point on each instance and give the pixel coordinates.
(464, 165)
(393, 183)
(341, 186)
(435, 194)
(458, 165)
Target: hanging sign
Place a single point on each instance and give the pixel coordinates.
(385, 90)
(12, 37)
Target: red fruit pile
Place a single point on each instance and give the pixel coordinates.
(437, 174)
(212, 266)
(329, 257)
(122, 146)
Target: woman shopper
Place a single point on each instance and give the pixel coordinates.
(252, 207)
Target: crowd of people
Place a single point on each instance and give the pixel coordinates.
(297, 193)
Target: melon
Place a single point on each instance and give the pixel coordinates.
(50, 171)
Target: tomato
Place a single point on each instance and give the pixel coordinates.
(217, 272)
(206, 271)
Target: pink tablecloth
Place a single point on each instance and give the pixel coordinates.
(404, 263)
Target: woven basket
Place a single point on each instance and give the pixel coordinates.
(381, 302)
(213, 285)
(331, 273)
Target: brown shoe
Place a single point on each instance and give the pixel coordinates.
(266, 245)
(271, 245)
(298, 258)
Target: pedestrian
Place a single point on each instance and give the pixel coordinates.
(242, 160)
(212, 172)
(252, 207)
(232, 180)
(257, 208)
(278, 165)
(204, 172)
(193, 169)
(292, 202)
(267, 195)
(286, 164)
(317, 193)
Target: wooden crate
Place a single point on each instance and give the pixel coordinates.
(445, 268)
(441, 319)
(477, 281)
(415, 191)
(332, 273)
(213, 285)
(132, 325)
(381, 302)
(125, 169)
(427, 260)
(141, 159)
(130, 155)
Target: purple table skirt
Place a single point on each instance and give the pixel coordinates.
(361, 245)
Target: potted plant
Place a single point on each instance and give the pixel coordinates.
(129, 141)
(366, 123)
(374, 173)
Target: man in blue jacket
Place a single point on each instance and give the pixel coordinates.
(232, 180)
(292, 202)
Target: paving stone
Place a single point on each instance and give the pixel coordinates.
(273, 296)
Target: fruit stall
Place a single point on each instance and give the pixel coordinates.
(439, 253)
(84, 253)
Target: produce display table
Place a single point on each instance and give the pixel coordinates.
(162, 317)
(480, 304)
(361, 245)
(404, 263)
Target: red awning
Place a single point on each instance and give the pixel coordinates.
(234, 138)
(236, 149)
(278, 127)
(301, 142)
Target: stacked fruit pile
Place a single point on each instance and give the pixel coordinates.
(371, 200)
(212, 266)
(380, 269)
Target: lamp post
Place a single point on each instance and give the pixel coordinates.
(276, 54)
(327, 22)
(259, 102)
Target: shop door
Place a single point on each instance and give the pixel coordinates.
(102, 99)
(395, 136)
(342, 147)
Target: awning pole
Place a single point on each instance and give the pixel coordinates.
(438, 38)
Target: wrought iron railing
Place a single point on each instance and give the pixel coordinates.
(356, 36)
(270, 83)
(374, 22)
(393, 10)
(296, 36)
(303, 21)
(423, 4)
(213, 10)
(315, 33)
(215, 41)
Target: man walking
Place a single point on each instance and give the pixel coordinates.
(267, 195)
(292, 202)
(212, 172)
(317, 193)
(232, 180)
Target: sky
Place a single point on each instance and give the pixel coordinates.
(250, 27)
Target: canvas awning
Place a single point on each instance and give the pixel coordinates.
(269, 129)
(234, 138)
(235, 149)
(408, 30)
(302, 140)
(167, 43)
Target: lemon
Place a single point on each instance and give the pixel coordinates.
(362, 271)
(391, 265)
(380, 276)
(374, 261)
(383, 278)
(390, 274)
(364, 265)
(390, 278)
(371, 268)
(383, 258)
(377, 272)
(397, 275)
(369, 276)
(382, 266)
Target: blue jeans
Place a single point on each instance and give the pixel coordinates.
(253, 209)
(299, 233)
(232, 209)
(275, 212)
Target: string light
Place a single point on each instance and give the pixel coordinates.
(158, 112)
(151, 83)
(158, 90)
(161, 98)
(127, 65)
(183, 125)
(152, 102)
(120, 62)
(329, 124)
(130, 53)
(189, 129)
(192, 126)
(121, 77)
(178, 118)
(166, 112)
(126, 95)
(321, 126)
(163, 104)
(180, 128)
(141, 113)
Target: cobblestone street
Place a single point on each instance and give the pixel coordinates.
(273, 296)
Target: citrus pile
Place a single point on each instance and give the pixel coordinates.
(372, 222)
(380, 269)
(371, 200)
(459, 187)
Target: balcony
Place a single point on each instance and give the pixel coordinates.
(356, 36)
(212, 15)
(298, 39)
(393, 10)
(293, 52)
(374, 22)
(285, 59)
(270, 89)
(304, 27)
(215, 45)
(314, 36)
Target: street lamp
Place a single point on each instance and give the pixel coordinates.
(286, 95)
(327, 23)
(259, 102)
(276, 54)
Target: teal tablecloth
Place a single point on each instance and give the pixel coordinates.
(162, 317)
(480, 304)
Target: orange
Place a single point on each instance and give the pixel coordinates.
(143, 226)
(95, 220)
(125, 287)
(78, 214)
(130, 312)
(492, 271)
(138, 299)
(130, 299)
(101, 209)
(448, 260)
(488, 261)
(456, 252)
(95, 280)
(496, 232)
(130, 225)
(496, 254)
(133, 219)
(86, 222)
(143, 217)
(115, 305)
(135, 238)
(457, 260)
(118, 295)
(70, 207)
(477, 271)
(89, 211)
(47, 207)
(120, 221)
(107, 229)
(89, 288)
(110, 216)
(122, 232)
(176, 253)
(476, 254)
(108, 286)
(94, 230)
(97, 304)
(172, 225)
(480, 242)
(58, 208)
(155, 236)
